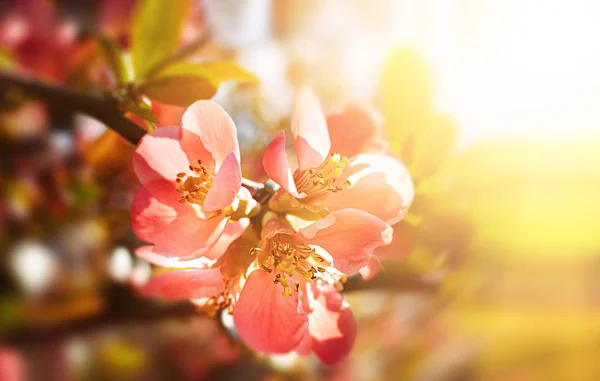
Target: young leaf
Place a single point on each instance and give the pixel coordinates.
(179, 90)
(184, 83)
(141, 111)
(230, 71)
(156, 27)
(115, 60)
(216, 72)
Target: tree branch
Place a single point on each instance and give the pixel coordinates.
(124, 307)
(96, 105)
(393, 281)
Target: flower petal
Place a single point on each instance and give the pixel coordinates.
(349, 236)
(189, 237)
(225, 185)
(157, 160)
(265, 319)
(185, 284)
(149, 216)
(147, 254)
(206, 127)
(309, 130)
(332, 326)
(276, 164)
(371, 269)
(232, 231)
(379, 185)
(354, 130)
(168, 115)
(401, 246)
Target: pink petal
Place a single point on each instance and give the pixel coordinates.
(349, 236)
(266, 320)
(225, 185)
(379, 185)
(275, 226)
(189, 237)
(185, 284)
(355, 130)
(371, 269)
(332, 326)
(208, 129)
(276, 164)
(157, 160)
(167, 115)
(232, 231)
(149, 216)
(305, 346)
(401, 246)
(309, 130)
(147, 254)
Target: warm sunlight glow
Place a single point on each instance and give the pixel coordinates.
(512, 68)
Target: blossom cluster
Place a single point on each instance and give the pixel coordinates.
(277, 261)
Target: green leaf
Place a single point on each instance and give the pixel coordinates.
(216, 72)
(115, 59)
(179, 90)
(156, 27)
(230, 71)
(184, 83)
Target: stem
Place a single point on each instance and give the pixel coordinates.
(123, 307)
(94, 104)
(252, 186)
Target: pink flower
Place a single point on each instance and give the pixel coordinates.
(191, 184)
(285, 294)
(292, 300)
(357, 130)
(328, 180)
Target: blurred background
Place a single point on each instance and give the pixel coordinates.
(494, 106)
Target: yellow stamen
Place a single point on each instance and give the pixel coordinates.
(194, 189)
(285, 257)
(322, 179)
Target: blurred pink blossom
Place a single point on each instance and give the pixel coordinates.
(33, 32)
(12, 367)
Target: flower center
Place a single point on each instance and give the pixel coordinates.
(285, 258)
(322, 179)
(194, 188)
(226, 299)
